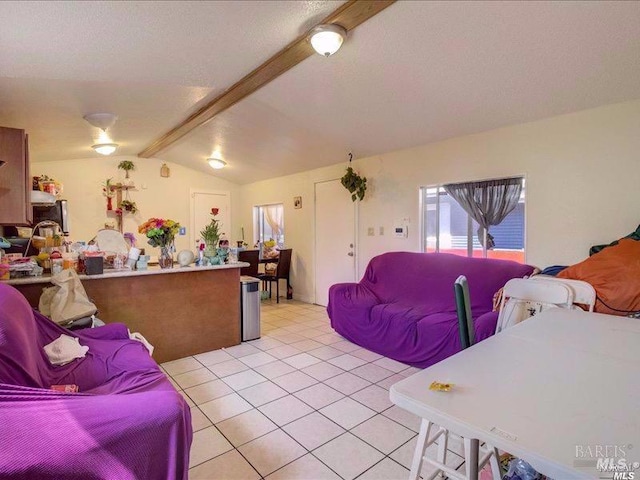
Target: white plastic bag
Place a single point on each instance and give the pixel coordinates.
(66, 300)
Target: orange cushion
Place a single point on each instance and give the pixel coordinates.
(615, 274)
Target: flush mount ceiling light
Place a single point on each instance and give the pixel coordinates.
(216, 163)
(103, 121)
(105, 148)
(327, 39)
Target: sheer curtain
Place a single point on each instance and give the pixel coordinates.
(274, 215)
(488, 202)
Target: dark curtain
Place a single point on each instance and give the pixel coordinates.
(487, 202)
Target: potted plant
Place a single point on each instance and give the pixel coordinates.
(211, 234)
(129, 206)
(356, 184)
(127, 166)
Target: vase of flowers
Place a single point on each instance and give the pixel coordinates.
(211, 234)
(108, 192)
(165, 259)
(161, 233)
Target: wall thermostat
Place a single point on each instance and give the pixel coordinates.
(401, 231)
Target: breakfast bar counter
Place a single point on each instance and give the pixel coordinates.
(182, 311)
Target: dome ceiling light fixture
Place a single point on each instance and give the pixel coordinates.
(327, 39)
(216, 163)
(103, 121)
(105, 148)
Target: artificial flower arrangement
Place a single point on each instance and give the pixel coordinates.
(161, 233)
(107, 188)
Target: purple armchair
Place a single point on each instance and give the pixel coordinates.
(126, 422)
(404, 307)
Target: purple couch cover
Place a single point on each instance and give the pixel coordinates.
(126, 422)
(404, 307)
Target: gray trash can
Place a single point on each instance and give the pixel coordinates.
(249, 308)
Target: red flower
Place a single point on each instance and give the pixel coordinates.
(214, 211)
(118, 211)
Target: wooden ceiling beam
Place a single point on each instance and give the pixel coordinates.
(349, 15)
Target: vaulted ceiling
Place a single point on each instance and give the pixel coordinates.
(415, 73)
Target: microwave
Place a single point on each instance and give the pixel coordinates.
(58, 212)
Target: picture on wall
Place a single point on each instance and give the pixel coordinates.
(297, 202)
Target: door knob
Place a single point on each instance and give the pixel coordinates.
(351, 245)
(350, 254)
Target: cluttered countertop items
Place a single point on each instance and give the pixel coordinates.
(110, 253)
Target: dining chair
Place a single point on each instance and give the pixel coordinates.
(282, 272)
(583, 292)
(524, 297)
(251, 257)
(463, 308)
(472, 451)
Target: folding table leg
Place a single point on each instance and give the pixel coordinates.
(421, 446)
(494, 461)
(442, 447)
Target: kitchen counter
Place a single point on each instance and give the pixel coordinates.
(153, 270)
(182, 311)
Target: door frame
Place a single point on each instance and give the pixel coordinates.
(356, 242)
(192, 213)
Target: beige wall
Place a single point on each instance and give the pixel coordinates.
(582, 172)
(298, 223)
(155, 196)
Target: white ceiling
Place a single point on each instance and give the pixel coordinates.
(417, 72)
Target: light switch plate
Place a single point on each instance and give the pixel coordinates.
(370, 232)
(381, 231)
(183, 231)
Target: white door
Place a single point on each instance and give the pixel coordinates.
(335, 238)
(201, 204)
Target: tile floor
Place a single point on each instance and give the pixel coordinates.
(299, 403)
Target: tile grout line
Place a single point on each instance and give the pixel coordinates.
(313, 409)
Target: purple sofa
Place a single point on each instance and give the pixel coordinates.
(404, 307)
(126, 422)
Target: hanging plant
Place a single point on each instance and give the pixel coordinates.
(129, 206)
(127, 166)
(353, 182)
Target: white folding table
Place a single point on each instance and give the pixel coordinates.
(549, 390)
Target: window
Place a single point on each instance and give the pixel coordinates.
(269, 223)
(448, 228)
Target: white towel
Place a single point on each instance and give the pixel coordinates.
(138, 336)
(65, 349)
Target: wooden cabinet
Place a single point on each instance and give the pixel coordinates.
(15, 181)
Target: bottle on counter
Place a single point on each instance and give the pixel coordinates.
(200, 250)
(80, 264)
